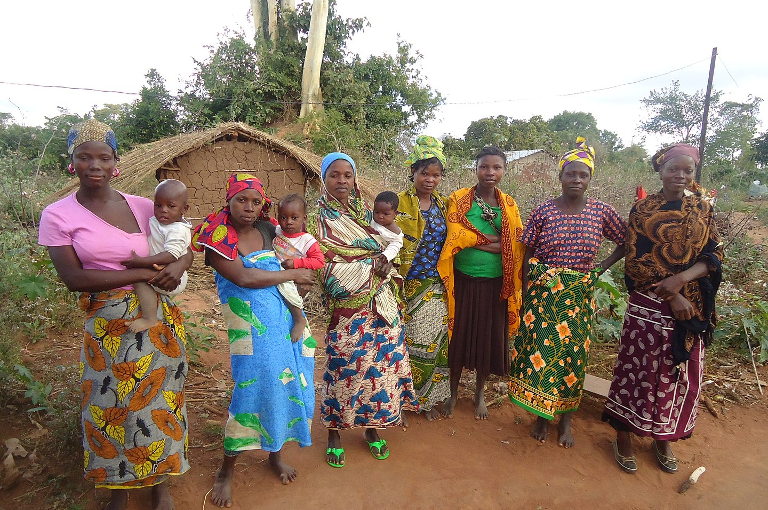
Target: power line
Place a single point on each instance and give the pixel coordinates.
(727, 71)
(286, 103)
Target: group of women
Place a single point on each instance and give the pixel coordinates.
(473, 289)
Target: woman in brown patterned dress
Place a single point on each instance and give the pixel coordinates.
(672, 272)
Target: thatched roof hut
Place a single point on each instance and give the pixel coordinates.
(203, 159)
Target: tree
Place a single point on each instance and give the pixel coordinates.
(675, 113)
(489, 131)
(311, 94)
(760, 150)
(734, 125)
(153, 115)
(569, 125)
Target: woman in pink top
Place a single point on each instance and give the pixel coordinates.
(133, 414)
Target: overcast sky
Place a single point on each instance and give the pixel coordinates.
(513, 58)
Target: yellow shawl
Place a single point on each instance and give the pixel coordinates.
(411, 222)
(462, 234)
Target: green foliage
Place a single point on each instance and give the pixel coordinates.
(759, 150)
(199, 338)
(744, 320)
(151, 117)
(676, 113)
(610, 305)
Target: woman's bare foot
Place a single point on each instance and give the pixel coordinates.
(450, 405)
(286, 473)
(334, 442)
(433, 414)
(221, 494)
(118, 500)
(481, 410)
(540, 430)
(161, 497)
(565, 430)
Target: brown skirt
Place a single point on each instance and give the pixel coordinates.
(479, 341)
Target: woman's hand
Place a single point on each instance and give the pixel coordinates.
(682, 309)
(668, 287)
(302, 276)
(169, 278)
(133, 261)
(382, 269)
(490, 248)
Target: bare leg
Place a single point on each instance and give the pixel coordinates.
(540, 430)
(565, 430)
(286, 473)
(148, 304)
(222, 486)
(118, 500)
(451, 403)
(624, 443)
(481, 410)
(161, 497)
(334, 441)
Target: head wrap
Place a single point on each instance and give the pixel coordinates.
(335, 156)
(90, 131)
(216, 231)
(426, 147)
(673, 151)
(583, 153)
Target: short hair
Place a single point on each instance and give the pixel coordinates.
(388, 197)
(490, 150)
(293, 197)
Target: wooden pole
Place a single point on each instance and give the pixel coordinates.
(703, 137)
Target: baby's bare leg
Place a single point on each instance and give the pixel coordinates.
(299, 323)
(148, 304)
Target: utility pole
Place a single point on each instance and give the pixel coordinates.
(703, 137)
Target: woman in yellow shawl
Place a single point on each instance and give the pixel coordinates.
(481, 268)
(421, 217)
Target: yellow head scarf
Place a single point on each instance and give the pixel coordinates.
(582, 152)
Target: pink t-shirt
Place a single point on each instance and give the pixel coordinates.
(97, 244)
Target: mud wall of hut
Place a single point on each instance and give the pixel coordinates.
(536, 167)
(205, 172)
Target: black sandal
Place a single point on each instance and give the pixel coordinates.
(627, 464)
(666, 463)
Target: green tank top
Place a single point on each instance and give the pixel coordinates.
(479, 263)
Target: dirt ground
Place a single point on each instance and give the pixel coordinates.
(450, 463)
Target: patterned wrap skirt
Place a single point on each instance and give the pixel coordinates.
(133, 414)
(650, 395)
(551, 349)
(426, 335)
(479, 341)
(367, 380)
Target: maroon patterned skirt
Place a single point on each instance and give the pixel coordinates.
(479, 340)
(650, 395)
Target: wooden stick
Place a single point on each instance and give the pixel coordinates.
(752, 355)
(710, 406)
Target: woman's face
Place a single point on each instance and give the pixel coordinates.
(340, 180)
(245, 207)
(575, 179)
(427, 178)
(677, 174)
(94, 163)
(490, 170)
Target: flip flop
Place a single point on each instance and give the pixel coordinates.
(627, 464)
(338, 452)
(666, 463)
(378, 445)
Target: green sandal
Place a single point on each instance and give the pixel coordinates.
(377, 446)
(338, 452)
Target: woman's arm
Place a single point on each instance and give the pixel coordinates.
(490, 248)
(170, 276)
(671, 285)
(252, 278)
(77, 279)
(616, 255)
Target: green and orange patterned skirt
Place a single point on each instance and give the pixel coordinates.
(550, 353)
(133, 414)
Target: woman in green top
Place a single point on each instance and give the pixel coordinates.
(480, 266)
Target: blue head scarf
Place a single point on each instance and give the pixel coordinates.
(335, 156)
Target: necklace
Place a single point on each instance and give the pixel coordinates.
(487, 213)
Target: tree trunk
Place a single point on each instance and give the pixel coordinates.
(257, 9)
(311, 95)
(272, 16)
(287, 6)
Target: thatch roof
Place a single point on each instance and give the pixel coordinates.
(147, 159)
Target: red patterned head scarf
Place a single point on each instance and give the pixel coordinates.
(216, 232)
(673, 151)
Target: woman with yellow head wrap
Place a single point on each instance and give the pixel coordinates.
(561, 238)
(421, 217)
